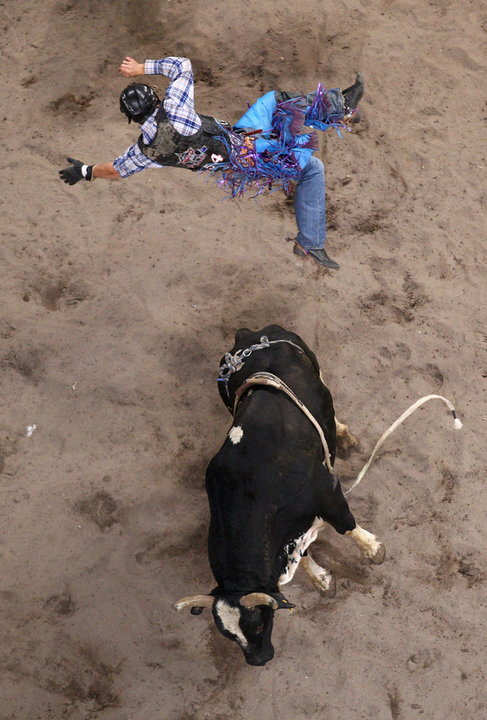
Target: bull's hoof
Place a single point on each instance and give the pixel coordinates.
(380, 555)
(344, 448)
(326, 584)
(331, 591)
(346, 442)
(350, 440)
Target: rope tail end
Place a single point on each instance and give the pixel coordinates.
(457, 423)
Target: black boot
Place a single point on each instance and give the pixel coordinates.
(352, 96)
(320, 256)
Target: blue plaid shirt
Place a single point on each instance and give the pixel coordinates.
(178, 104)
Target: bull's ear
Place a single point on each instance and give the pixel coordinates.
(197, 602)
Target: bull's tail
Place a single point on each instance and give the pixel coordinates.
(457, 424)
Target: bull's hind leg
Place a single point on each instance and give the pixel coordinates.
(321, 578)
(344, 437)
(368, 543)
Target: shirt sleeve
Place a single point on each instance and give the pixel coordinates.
(179, 98)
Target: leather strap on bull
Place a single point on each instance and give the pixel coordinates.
(266, 378)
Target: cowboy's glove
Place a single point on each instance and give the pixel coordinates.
(76, 171)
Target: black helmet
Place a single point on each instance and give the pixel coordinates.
(137, 101)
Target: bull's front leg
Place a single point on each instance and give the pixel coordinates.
(321, 578)
(368, 544)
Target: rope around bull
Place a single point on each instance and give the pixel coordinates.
(264, 378)
(233, 363)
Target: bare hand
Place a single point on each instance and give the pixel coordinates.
(131, 68)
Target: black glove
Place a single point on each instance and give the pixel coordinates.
(76, 171)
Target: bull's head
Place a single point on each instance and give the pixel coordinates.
(247, 620)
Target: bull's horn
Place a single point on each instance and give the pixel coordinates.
(203, 601)
(258, 598)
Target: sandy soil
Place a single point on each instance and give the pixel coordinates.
(117, 301)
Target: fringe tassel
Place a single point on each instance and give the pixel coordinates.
(288, 120)
(275, 169)
(248, 170)
(326, 111)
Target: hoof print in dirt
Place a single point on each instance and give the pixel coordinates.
(24, 360)
(100, 508)
(70, 104)
(56, 294)
(61, 604)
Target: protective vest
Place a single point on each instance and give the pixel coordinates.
(193, 152)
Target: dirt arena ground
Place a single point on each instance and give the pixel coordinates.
(117, 301)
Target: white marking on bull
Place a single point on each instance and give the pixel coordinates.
(229, 618)
(301, 544)
(235, 434)
(368, 543)
(322, 578)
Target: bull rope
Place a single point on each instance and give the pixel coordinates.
(457, 424)
(233, 363)
(266, 378)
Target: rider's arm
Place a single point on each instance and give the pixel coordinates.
(105, 170)
(179, 98)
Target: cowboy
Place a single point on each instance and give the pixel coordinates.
(265, 149)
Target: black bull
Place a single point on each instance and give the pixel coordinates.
(269, 491)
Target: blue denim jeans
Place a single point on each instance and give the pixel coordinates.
(310, 205)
